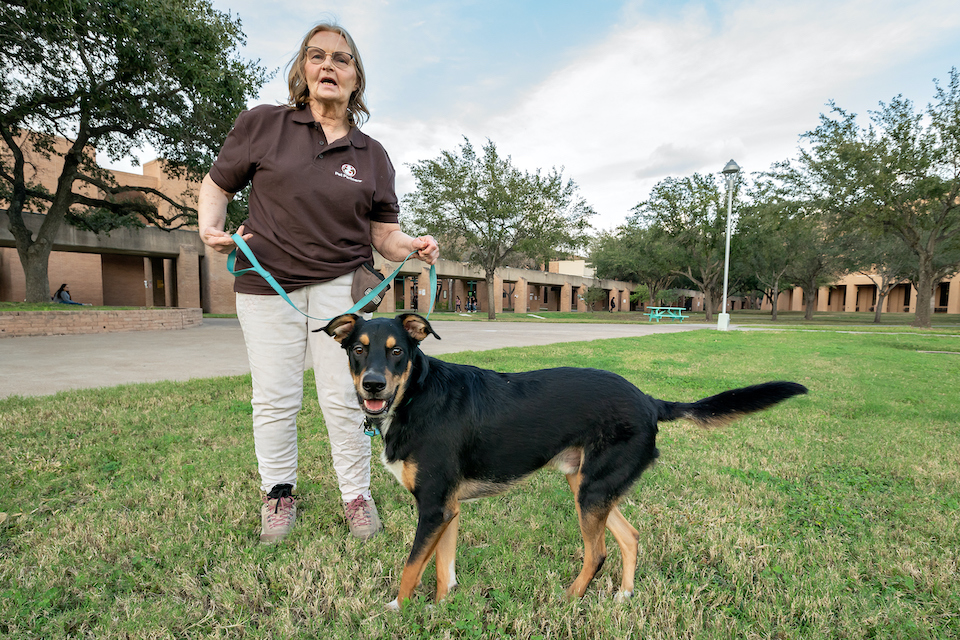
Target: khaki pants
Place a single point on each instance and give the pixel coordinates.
(280, 345)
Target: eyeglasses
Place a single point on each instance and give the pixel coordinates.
(341, 59)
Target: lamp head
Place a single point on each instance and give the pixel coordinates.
(731, 168)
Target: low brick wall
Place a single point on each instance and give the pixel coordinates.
(55, 323)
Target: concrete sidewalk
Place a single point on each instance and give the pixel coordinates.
(44, 365)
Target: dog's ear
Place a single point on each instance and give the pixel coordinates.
(416, 326)
(341, 326)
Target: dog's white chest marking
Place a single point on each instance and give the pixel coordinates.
(395, 467)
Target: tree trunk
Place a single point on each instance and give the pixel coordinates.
(491, 296)
(776, 300)
(925, 286)
(878, 309)
(34, 260)
(809, 295)
(708, 304)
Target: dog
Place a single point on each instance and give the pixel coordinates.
(453, 433)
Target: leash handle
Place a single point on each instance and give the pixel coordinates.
(266, 275)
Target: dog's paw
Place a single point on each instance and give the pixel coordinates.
(393, 605)
(622, 596)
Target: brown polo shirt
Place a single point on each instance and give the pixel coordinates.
(311, 203)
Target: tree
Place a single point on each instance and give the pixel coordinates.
(637, 254)
(115, 75)
(900, 175)
(486, 211)
(817, 260)
(884, 259)
(692, 212)
(768, 241)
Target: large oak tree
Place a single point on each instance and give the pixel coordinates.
(112, 75)
(898, 175)
(485, 211)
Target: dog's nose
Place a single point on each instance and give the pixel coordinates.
(373, 383)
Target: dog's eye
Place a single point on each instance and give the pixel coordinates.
(396, 352)
(358, 349)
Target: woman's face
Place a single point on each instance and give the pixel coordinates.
(328, 83)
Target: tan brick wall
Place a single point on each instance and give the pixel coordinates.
(81, 271)
(66, 322)
(218, 295)
(122, 281)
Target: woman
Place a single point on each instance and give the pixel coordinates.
(322, 193)
(63, 295)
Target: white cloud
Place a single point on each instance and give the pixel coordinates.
(659, 89)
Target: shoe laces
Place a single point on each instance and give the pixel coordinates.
(283, 494)
(357, 511)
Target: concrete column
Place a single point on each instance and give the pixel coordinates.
(796, 302)
(188, 277)
(581, 297)
(953, 296)
(521, 296)
(147, 283)
(423, 290)
(850, 303)
(498, 294)
(823, 294)
(481, 295)
(913, 299)
(218, 284)
(566, 297)
(459, 290)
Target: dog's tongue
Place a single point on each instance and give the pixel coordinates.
(374, 406)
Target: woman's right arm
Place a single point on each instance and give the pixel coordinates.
(212, 216)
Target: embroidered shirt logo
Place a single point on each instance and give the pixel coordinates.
(347, 171)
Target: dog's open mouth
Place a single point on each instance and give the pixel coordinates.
(374, 406)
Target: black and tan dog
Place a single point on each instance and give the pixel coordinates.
(453, 432)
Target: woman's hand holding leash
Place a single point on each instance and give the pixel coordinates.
(427, 249)
(221, 241)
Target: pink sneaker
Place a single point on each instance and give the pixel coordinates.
(277, 514)
(363, 518)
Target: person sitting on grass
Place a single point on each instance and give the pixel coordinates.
(63, 295)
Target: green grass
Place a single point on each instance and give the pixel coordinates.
(132, 512)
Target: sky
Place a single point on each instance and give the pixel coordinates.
(619, 94)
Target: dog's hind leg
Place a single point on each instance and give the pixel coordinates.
(592, 522)
(628, 539)
(446, 558)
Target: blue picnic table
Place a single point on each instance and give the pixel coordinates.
(671, 313)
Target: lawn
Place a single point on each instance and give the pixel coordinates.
(132, 512)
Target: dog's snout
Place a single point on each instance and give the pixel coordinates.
(374, 383)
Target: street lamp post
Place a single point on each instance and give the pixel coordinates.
(730, 172)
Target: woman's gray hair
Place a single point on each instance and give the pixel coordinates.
(357, 112)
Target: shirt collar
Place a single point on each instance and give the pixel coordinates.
(355, 137)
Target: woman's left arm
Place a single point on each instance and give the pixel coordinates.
(394, 245)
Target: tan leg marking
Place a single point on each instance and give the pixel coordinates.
(594, 545)
(628, 539)
(446, 558)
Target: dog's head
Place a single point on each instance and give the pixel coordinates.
(383, 354)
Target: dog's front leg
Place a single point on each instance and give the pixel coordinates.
(431, 525)
(447, 557)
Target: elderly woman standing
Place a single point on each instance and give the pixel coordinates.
(322, 193)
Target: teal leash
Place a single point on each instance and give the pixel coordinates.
(368, 428)
(266, 275)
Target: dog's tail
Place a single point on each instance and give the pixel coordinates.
(726, 407)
